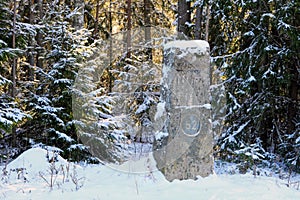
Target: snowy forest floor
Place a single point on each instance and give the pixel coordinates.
(31, 176)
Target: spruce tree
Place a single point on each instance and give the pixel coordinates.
(11, 113)
(256, 46)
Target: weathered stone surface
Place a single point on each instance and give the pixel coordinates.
(187, 151)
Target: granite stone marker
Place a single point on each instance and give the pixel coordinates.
(185, 150)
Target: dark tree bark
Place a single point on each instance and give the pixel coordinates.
(147, 21)
(14, 67)
(207, 22)
(147, 24)
(39, 36)
(129, 26)
(96, 29)
(293, 94)
(198, 23)
(31, 44)
(294, 91)
(184, 17)
(110, 49)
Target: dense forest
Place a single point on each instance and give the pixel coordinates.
(51, 51)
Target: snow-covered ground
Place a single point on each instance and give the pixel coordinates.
(29, 177)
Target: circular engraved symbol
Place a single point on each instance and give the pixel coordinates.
(190, 124)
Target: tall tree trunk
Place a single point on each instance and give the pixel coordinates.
(110, 49)
(39, 36)
(207, 22)
(294, 91)
(96, 30)
(184, 17)
(129, 26)
(198, 23)
(31, 44)
(147, 24)
(14, 68)
(293, 94)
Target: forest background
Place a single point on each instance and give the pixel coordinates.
(254, 48)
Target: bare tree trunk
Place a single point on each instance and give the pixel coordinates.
(110, 49)
(129, 26)
(294, 89)
(39, 36)
(184, 17)
(198, 23)
(207, 22)
(14, 69)
(293, 94)
(147, 24)
(31, 43)
(95, 32)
